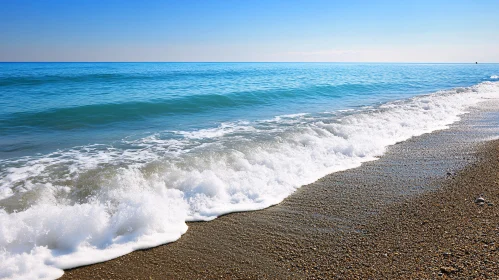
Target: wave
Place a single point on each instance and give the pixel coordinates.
(67, 118)
(494, 77)
(93, 203)
(50, 79)
(98, 114)
(117, 77)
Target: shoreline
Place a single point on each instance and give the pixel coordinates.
(404, 215)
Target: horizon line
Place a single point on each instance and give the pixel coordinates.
(367, 62)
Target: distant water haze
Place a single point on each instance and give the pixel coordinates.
(467, 52)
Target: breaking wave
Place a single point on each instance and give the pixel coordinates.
(93, 203)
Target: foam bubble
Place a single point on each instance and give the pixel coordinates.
(90, 204)
(220, 131)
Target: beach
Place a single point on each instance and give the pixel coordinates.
(249, 170)
(412, 214)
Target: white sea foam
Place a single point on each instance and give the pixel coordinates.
(494, 77)
(95, 203)
(220, 131)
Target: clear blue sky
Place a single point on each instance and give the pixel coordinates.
(250, 30)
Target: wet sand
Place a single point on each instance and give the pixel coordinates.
(410, 215)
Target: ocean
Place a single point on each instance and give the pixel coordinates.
(100, 159)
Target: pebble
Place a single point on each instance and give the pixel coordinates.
(447, 269)
(480, 200)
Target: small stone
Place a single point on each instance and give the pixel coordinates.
(480, 199)
(447, 269)
(490, 204)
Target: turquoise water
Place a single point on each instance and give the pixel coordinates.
(48, 106)
(101, 159)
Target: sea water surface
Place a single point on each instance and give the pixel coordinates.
(101, 159)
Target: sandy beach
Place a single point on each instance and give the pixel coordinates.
(413, 214)
(249, 140)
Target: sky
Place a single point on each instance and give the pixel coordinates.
(250, 30)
